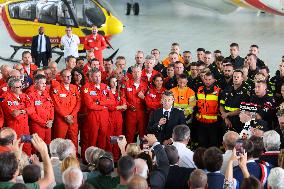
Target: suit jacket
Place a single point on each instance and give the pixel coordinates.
(278, 130)
(253, 168)
(35, 46)
(165, 131)
(158, 177)
(178, 177)
(215, 180)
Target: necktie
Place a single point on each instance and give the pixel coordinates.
(40, 43)
(166, 114)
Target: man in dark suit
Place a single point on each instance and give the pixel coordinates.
(280, 128)
(41, 48)
(177, 176)
(163, 120)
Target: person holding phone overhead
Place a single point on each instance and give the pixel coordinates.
(163, 120)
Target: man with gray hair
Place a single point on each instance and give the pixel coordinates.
(141, 168)
(60, 148)
(148, 72)
(271, 141)
(198, 180)
(229, 142)
(72, 178)
(16, 107)
(181, 137)
(276, 178)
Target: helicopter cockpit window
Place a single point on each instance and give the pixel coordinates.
(23, 10)
(89, 13)
(64, 15)
(47, 12)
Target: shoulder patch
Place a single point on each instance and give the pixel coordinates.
(55, 91)
(86, 90)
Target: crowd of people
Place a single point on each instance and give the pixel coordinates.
(216, 122)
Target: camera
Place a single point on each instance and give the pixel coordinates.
(114, 139)
(26, 138)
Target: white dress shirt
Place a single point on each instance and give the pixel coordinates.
(43, 44)
(185, 155)
(70, 45)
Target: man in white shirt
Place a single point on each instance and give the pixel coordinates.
(229, 142)
(70, 43)
(181, 137)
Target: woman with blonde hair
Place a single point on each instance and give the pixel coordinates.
(70, 161)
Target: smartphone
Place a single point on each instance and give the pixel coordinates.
(239, 147)
(114, 139)
(26, 138)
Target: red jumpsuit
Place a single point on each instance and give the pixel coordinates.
(99, 42)
(153, 99)
(144, 75)
(135, 113)
(20, 122)
(33, 67)
(43, 112)
(3, 88)
(66, 102)
(97, 124)
(116, 122)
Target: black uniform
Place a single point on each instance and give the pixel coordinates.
(170, 83)
(194, 83)
(223, 83)
(266, 107)
(161, 68)
(238, 62)
(231, 99)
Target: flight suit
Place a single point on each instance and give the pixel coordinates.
(153, 99)
(135, 113)
(116, 121)
(145, 78)
(43, 112)
(99, 42)
(97, 125)
(231, 100)
(19, 123)
(66, 102)
(184, 100)
(33, 68)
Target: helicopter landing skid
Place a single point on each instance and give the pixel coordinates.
(24, 47)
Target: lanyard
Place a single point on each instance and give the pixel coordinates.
(69, 41)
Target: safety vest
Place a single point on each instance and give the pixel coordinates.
(207, 105)
(184, 99)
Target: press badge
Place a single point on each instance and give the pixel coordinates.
(93, 93)
(129, 89)
(37, 103)
(63, 95)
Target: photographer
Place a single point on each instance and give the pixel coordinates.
(9, 166)
(163, 120)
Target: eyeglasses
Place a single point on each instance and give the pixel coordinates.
(68, 30)
(19, 87)
(67, 76)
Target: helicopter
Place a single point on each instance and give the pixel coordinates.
(23, 18)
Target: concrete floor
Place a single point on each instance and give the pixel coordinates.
(162, 22)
